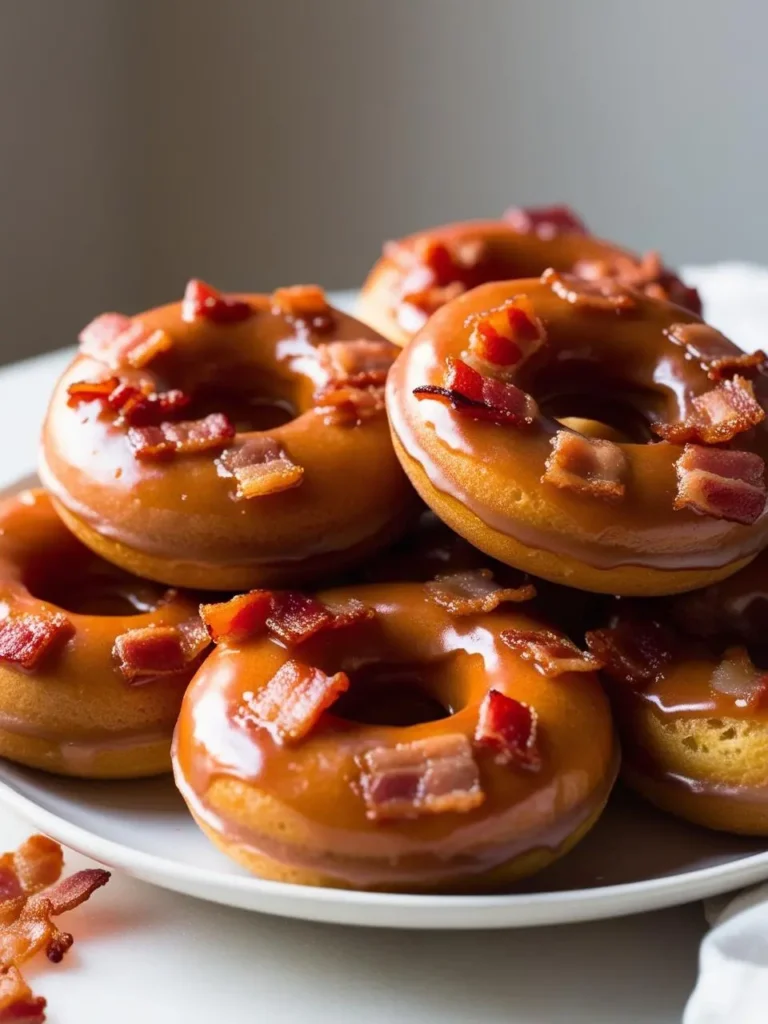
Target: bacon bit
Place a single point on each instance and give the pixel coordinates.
(710, 348)
(428, 776)
(737, 676)
(358, 364)
(120, 341)
(291, 703)
(343, 406)
(545, 221)
(152, 651)
(289, 615)
(203, 302)
(239, 618)
(99, 336)
(306, 303)
(509, 728)
(551, 652)
(602, 294)
(480, 397)
(586, 465)
(37, 863)
(504, 338)
(474, 592)
(748, 364)
(135, 406)
(189, 437)
(718, 415)
(261, 466)
(723, 484)
(634, 652)
(91, 391)
(429, 300)
(26, 639)
(17, 1003)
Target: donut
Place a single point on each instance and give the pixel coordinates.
(688, 683)
(483, 402)
(226, 442)
(407, 737)
(93, 661)
(418, 274)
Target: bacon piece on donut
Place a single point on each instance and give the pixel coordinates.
(346, 406)
(430, 776)
(91, 391)
(291, 703)
(203, 302)
(474, 592)
(359, 364)
(603, 293)
(748, 364)
(587, 465)
(428, 300)
(718, 415)
(189, 437)
(720, 483)
(550, 652)
(714, 351)
(260, 466)
(239, 618)
(139, 409)
(305, 303)
(504, 338)
(480, 397)
(295, 617)
(737, 676)
(120, 341)
(545, 221)
(509, 728)
(151, 651)
(25, 640)
(98, 338)
(634, 652)
(17, 1003)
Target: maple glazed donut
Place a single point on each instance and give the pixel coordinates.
(419, 274)
(393, 737)
(225, 442)
(688, 682)
(93, 661)
(482, 402)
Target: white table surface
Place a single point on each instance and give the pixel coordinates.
(142, 954)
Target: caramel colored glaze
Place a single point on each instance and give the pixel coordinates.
(177, 521)
(506, 254)
(484, 480)
(300, 807)
(74, 714)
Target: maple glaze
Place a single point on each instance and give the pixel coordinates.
(310, 814)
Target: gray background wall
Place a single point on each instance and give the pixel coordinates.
(259, 142)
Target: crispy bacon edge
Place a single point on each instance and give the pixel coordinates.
(718, 415)
(721, 483)
(553, 654)
(26, 640)
(473, 394)
(634, 652)
(474, 592)
(260, 466)
(586, 465)
(150, 652)
(292, 702)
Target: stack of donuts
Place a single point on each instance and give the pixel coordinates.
(398, 598)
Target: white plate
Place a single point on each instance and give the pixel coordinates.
(634, 860)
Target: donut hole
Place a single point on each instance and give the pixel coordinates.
(265, 407)
(394, 695)
(91, 586)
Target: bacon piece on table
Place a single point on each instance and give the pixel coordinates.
(551, 653)
(586, 465)
(430, 776)
(720, 483)
(509, 728)
(718, 415)
(481, 397)
(202, 302)
(634, 652)
(36, 864)
(26, 639)
(189, 437)
(291, 703)
(474, 591)
(602, 294)
(261, 466)
(151, 651)
(17, 1003)
(545, 221)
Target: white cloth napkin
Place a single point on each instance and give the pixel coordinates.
(732, 987)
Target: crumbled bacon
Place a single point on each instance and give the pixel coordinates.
(509, 728)
(504, 338)
(551, 653)
(17, 1003)
(737, 676)
(152, 651)
(291, 703)
(26, 639)
(747, 364)
(305, 303)
(545, 221)
(634, 652)
(135, 406)
(239, 618)
(718, 415)
(119, 341)
(189, 437)
(481, 397)
(91, 391)
(261, 466)
(201, 301)
(587, 465)
(601, 294)
(474, 592)
(289, 615)
(345, 406)
(358, 364)
(429, 776)
(720, 483)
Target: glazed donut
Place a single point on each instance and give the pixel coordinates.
(227, 441)
(688, 683)
(392, 737)
(93, 662)
(419, 274)
(477, 405)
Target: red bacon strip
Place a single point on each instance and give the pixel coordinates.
(189, 437)
(545, 221)
(635, 652)
(347, 406)
(202, 302)
(550, 652)
(430, 776)
(17, 1003)
(722, 484)
(586, 465)
(474, 592)
(291, 703)
(509, 728)
(288, 615)
(718, 415)
(504, 338)
(261, 466)
(602, 294)
(359, 364)
(480, 397)
(25, 640)
(737, 676)
(305, 303)
(149, 652)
